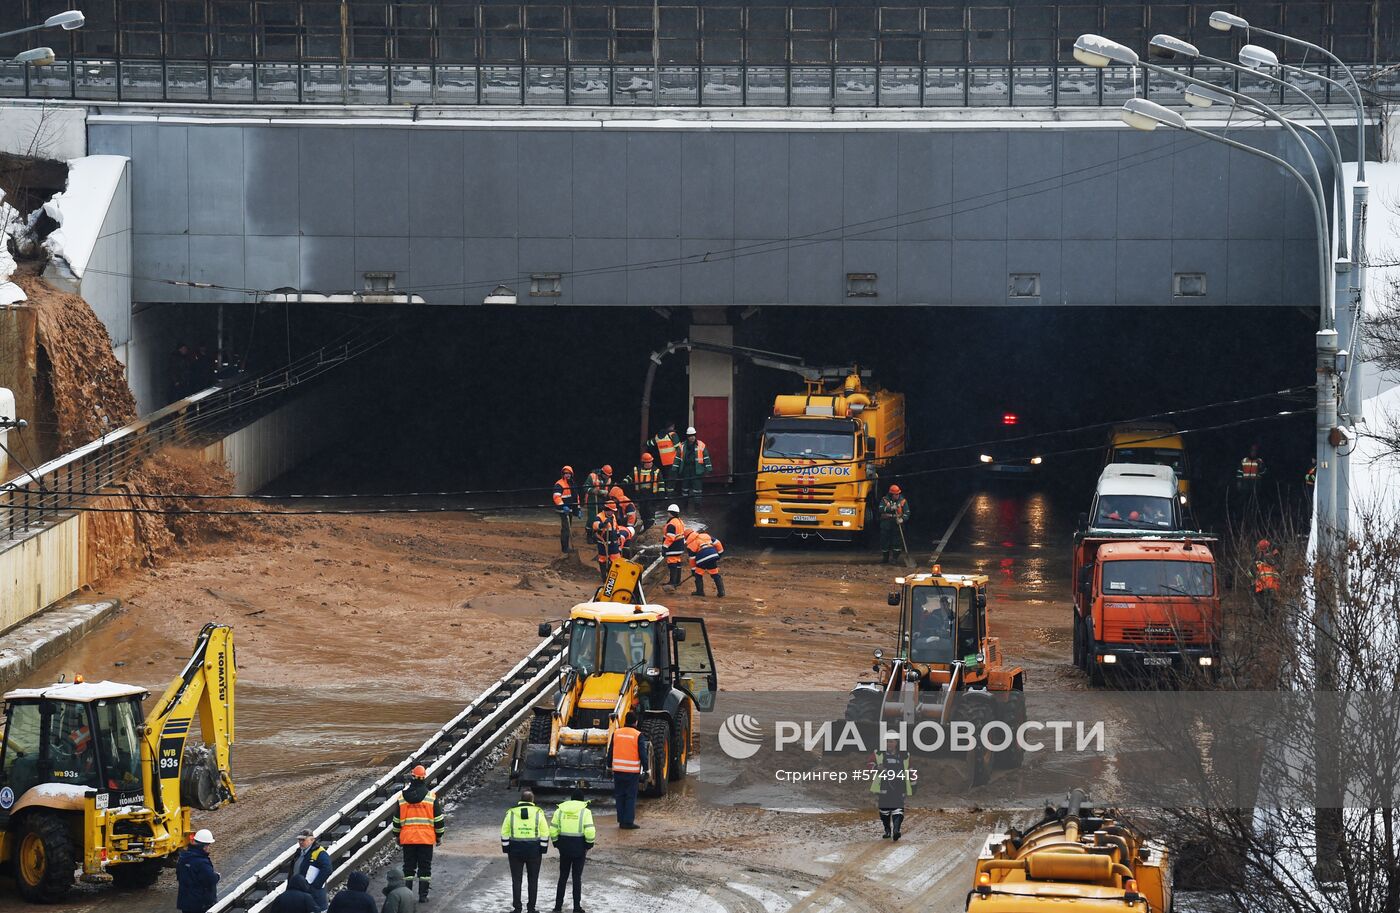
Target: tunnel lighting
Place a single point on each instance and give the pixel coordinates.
(1141, 114)
(1098, 51)
(1169, 46)
(986, 458)
(36, 57)
(1222, 21)
(1036, 461)
(69, 19)
(1256, 58)
(1009, 418)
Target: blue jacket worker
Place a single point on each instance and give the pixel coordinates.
(194, 871)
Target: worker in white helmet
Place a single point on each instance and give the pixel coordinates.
(194, 871)
(673, 544)
(694, 462)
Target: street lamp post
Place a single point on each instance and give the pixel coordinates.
(66, 20)
(34, 57)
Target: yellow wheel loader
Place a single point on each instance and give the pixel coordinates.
(1073, 860)
(945, 669)
(90, 784)
(623, 656)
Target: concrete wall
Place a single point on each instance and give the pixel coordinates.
(942, 213)
(276, 443)
(46, 130)
(39, 571)
(106, 282)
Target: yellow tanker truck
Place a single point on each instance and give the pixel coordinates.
(820, 456)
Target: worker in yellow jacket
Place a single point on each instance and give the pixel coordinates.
(573, 834)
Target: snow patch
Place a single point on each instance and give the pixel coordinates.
(81, 208)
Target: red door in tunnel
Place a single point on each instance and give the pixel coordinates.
(712, 427)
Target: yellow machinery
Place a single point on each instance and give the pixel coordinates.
(623, 656)
(1151, 443)
(1074, 860)
(821, 453)
(87, 781)
(945, 669)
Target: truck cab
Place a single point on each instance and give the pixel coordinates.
(1145, 603)
(1151, 444)
(1134, 497)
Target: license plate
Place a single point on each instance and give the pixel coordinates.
(1156, 660)
(802, 519)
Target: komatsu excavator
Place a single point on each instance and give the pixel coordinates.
(90, 782)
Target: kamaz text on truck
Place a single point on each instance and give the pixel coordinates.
(1144, 602)
(820, 456)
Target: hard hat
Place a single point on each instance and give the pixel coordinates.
(896, 490)
(420, 772)
(607, 469)
(568, 470)
(204, 836)
(618, 493)
(646, 458)
(610, 502)
(673, 508)
(1134, 515)
(1263, 545)
(690, 429)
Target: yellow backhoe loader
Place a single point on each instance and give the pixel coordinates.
(89, 783)
(623, 655)
(1075, 859)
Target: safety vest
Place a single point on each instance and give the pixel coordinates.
(1310, 478)
(647, 479)
(699, 452)
(705, 550)
(605, 524)
(627, 755)
(673, 543)
(1266, 576)
(80, 739)
(563, 493)
(525, 827)
(893, 508)
(666, 448)
(418, 823)
(573, 819)
(893, 776)
(1251, 468)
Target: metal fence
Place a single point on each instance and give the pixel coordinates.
(42, 497)
(266, 82)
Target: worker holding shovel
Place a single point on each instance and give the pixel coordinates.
(894, 511)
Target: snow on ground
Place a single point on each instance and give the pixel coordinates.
(10, 223)
(81, 207)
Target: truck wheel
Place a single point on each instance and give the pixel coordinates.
(136, 875)
(540, 728)
(863, 709)
(44, 858)
(658, 733)
(1013, 714)
(976, 710)
(1091, 659)
(1078, 643)
(680, 744)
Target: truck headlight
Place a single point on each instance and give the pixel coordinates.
(1207, 661)
(986, 458)
(846, 511)
(1108, 659)
(1036, 461)
(763, 508)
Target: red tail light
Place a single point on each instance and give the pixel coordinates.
(1009, 418)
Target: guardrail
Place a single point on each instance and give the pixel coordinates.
(32, 501)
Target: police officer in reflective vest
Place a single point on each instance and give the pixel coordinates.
(630, 751)
(705, 554)
(892, 783)
(573, 834)
(646, 484)
(418, 823)
(567, 505)
(673, 544)
(525, 840)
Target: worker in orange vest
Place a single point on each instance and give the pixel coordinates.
(646, 484)
(628, 518)
(631, 753)
(1251, 471)
(673, 544)
(567, 506)
(665, 443)
(418, 824)
(607, 533)
(1267, 579)
(693, 462)
(705, 554)
(596, 491)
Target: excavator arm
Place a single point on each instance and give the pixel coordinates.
(205, 686)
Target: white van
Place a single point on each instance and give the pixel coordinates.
(1137, 496)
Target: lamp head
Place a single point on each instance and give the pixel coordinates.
(36, 57)
(1169, 47)
(1203, 97)
(68, 19)
(1141, 114)
(1098, 51)
(1256, 58)
(1222, 21)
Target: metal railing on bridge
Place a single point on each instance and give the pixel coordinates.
(44, 495)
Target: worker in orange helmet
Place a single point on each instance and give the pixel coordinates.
(418, 823)
(646, 484)
(894, 511)
(628, 518)
(566, 503)
(607, 534)
(1267, 577)
(705, 554)
(596, 490)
